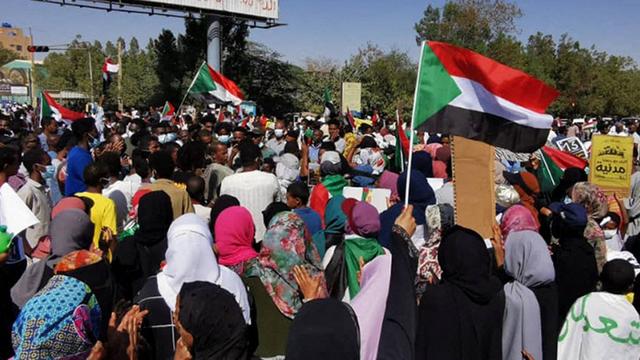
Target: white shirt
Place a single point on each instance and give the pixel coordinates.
(203, 211)
(35, 197)
(255, 190)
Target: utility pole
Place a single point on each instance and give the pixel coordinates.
(120, 106)
(90, 69)
(32, 81)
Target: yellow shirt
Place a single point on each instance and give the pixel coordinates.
(103, 214)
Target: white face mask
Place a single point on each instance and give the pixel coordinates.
(279, 133)
(167, 138)
(392, 127)
(224, 139)
(610, 234)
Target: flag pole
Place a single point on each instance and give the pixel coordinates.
(413, 115)
(189, 89)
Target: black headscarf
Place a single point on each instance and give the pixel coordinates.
(462, 317)
(422, 162)
(272, 210)
(221, 203)
(617, 276)
(324, 329)
(214, 319)
(155, 215)
(570, 177)
(574, 259)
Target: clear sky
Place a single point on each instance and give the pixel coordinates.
(336, 28)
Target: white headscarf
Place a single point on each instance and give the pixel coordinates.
(190, 258)
(287, 171)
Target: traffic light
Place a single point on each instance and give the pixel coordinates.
(33, 49)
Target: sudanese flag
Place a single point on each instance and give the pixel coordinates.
(460, 92)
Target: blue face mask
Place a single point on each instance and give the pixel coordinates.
(48, 172)
(224, 139)
(94, 143)
(167, 138)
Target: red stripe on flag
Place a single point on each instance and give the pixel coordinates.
(563, 159)
(226, 83)
(352, 121)
(501, 80)
(65, 113)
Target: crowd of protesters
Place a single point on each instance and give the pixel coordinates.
(215, 237)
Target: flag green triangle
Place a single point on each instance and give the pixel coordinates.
(434, 87)
(204, 82)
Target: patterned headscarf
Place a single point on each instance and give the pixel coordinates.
(592, 198)
(440, 218)
(285, 245)
(517, 218)
(597, 206)
(62, 321)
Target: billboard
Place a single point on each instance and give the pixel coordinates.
(263, 9)
(351, 95)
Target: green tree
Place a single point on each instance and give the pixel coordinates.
(169, 68)
(472, 24)
(7, 55)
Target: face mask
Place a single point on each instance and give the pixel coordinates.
(610, 234)
(94, 143)
(261, 145)
(392, 127)
(224, 139)
(167, 138)
(48, 172)
(567, 200)
(279, 133)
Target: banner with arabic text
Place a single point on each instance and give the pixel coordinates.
(611, 163)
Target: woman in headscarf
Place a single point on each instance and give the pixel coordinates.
(597, 205)
(206, 334)
(139, 256)
(571, 176)
(342, 262)
(370, 304)
(527, 186)
(632, 204)
(271, 281)
(324, 329)
(333, 182)
(235, 234)
(420, 196)
(573, 257)
(441, 161)
(603, 325)
(287, 171)
(517, 218)
(440, 218)
(189, 258)
(222, 202)
(423, 162)
(461, 318)
(334, 220)
(389, 180)
(531, 300)
(62, 321)
(71, 230)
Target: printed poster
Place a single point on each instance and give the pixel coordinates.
(611, 164)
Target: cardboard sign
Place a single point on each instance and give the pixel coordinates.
(574, 146)
(473, 184)
(611, 163)
(379, 198)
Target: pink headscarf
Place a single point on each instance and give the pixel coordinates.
(517, 218)
(67, 203)
(389, 180)
(234, 230)
(432, 148)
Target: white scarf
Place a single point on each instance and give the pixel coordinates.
(598, 326)
(190, 258)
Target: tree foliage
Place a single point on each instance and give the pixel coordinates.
(7, 55)
(590, 82)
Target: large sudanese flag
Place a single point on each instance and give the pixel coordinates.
(211, 86)
(460, 92)
(50, 108)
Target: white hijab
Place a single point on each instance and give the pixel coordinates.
(190, 258)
